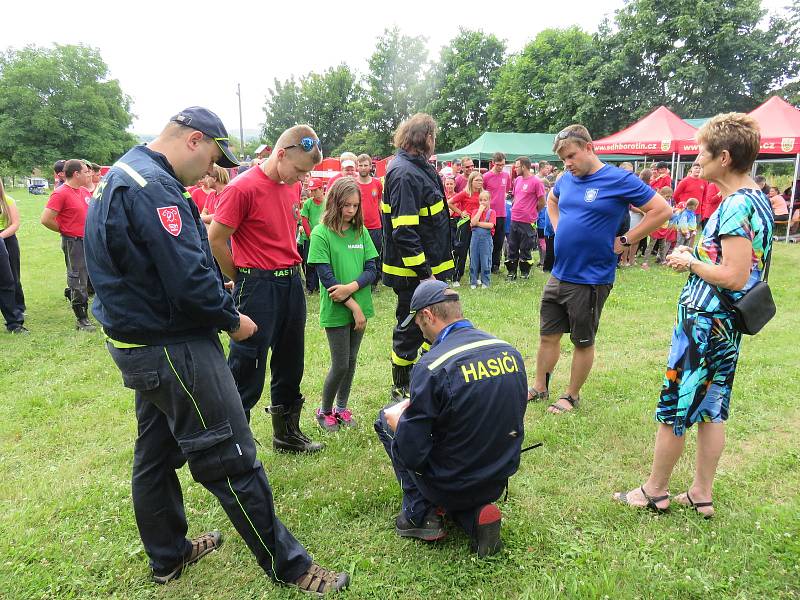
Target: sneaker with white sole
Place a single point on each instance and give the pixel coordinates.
(455, 284)
(327, 420)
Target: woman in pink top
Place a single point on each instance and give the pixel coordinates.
(779, 209)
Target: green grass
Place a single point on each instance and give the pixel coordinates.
(67, 429)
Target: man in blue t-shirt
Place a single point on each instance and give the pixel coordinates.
(585, 207)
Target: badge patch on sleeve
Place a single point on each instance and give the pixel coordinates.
(170, 219)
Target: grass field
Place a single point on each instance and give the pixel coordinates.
(67, 430)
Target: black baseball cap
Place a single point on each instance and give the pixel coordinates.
(428, 292)
(205, 121)
(662, 165)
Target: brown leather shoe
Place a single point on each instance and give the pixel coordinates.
(208, 542)
(318, 581)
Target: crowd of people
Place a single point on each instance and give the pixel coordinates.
(176, 250)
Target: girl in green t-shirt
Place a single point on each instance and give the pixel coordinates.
(343, 254)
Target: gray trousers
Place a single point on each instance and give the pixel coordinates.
(77, 275)
(344, 343)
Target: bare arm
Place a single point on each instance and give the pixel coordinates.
(13, 222)
(218, 236)
(48, 219)
(656, 211)
(732, 273)
(552, 210)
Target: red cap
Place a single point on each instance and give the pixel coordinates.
(314, 183)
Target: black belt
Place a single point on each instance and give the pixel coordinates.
(269, 274)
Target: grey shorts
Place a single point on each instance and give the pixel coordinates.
(572, 308)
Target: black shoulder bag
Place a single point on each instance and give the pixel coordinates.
(753, 310)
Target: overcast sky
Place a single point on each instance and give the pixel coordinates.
(168, 55)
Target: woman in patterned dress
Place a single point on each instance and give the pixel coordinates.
(730, 254)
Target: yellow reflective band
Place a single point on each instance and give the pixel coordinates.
(131, 172)
(401, 362)
(123, 345)
(448, 264)
(413, 261)
(425, 346)
(429, 211)
(386, 208)
(464, 348)
(405, 220)
(187, 195)
(402, 272)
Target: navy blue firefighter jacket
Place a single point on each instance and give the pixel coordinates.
(148, 257)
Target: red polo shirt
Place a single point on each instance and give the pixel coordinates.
(71, 204)
(371, 194)
(262, 213)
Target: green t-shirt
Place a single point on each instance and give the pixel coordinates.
(4, 220)
(313, 212)
(346, 255)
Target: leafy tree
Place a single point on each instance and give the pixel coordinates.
(463, 79)
(548, 85)
(697, 57)
(396, 85)
(59, 103)
(324, 101)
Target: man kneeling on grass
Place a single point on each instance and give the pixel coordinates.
(456, 442)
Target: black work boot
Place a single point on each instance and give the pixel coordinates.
(401, 380)
(511, 266)
(81, 313)
(430, 530)
(487, 531)
(525, 269)
(285, 434)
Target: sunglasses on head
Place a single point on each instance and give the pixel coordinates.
(568, 133)
(307, 144)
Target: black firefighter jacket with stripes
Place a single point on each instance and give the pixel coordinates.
(416, 223)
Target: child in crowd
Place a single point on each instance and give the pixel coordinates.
(482, 223)
(344, 256)
(663, 237)
(310, 214)
(686, 223)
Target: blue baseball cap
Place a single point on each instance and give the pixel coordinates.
(429, 292)
(203, 120)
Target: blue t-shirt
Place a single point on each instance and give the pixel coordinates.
(590, 210)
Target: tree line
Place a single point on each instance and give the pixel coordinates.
(697, 57)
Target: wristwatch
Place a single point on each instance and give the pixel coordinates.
(623, 239)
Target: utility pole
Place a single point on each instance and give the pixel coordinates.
(241, 129)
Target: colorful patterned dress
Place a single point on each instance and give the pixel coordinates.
(705, 345)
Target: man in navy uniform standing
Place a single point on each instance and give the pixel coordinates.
(161, 305)
(456, 442)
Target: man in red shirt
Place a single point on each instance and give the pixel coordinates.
(498, 182)
(661, 177)
(347, 163)
(691, 186)
(65, 214)
(371, 194)
(461, 178)
(256, 212)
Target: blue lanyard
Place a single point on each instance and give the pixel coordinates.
(462, 324)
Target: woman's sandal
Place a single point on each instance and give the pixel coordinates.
(652, 502)
(557, 410)
(697, 505)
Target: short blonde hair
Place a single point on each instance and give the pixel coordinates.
(737, 133)
(485, 194)
(572, 134)
(221, 175)
(292, 137)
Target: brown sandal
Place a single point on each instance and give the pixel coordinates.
(318, 580)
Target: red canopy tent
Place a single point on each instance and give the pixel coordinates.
(779, 122)
(660, 133)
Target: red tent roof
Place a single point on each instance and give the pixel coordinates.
(660, 132)
(780, 126)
